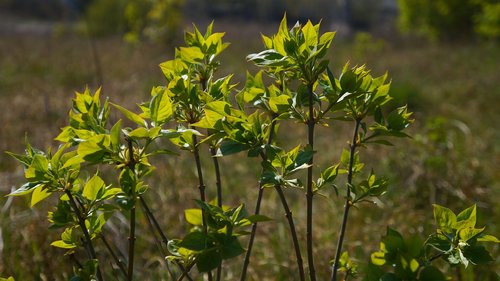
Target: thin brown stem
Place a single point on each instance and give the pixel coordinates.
(248, 254)
(218, 181)
(218, 184)
(131, 238)
(348, 202)
(309, 189)
(88, 241)
(293, 232)
(156, 225)
(201, 186)
(113, 255)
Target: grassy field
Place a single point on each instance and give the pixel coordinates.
(452, 160)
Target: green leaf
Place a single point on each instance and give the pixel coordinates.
(258, 218)
(477, 254)
(208, 260)
(73, 162)
(139, 133)
(488, 238)
(326, 39)
(190, 54)
(466, 218)
(110, 192)
(63, 245)
(378, 258)
(38, 168)
(431, 273)
(26, 188)
(372, 273)
(194, 216)
(114, 135)
(444, 217)
(21, 158)
(195, 241)
(440, 242)
(93, 187)
(231, 247)
(161, 107)
(127, 181)
(131, 116)
(94, 148)
(392, 243)
(348, 82)
(231, 147)
(39, 193)
(310, 34)
(468, 233)
(280, 104)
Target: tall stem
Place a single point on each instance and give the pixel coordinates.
(131, 238)
(293, 232)
(309, 191)
(201, 186)
(348, 202)
(88, 241)
(248, 254)
(218, 183)
(201, 183)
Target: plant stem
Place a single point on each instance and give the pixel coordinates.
(293, 232)
(348, 202)
(114, 256)
(88, 241)
(309, 191)
(201, 186)
(131, 238)
(156, 225)
(248, 254)
(218, 183)
(201, 183)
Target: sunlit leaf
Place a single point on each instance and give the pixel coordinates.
(39, 194)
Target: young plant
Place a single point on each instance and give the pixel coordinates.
(194, 108)
(456, 241)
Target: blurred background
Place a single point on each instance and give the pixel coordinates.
(443, 57)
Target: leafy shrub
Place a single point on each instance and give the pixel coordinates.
(194, 109)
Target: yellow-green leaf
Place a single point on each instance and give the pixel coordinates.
(131, 116)
(39, 193)
(92, 188)
(193, 216)
(62, 244)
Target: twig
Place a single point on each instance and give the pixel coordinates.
(248, 254)
(347, 202)
(309, 190)
(293, 232)
(156, 225)
(201, 186)
(88, 241)
(113, 254)
(131, 238)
